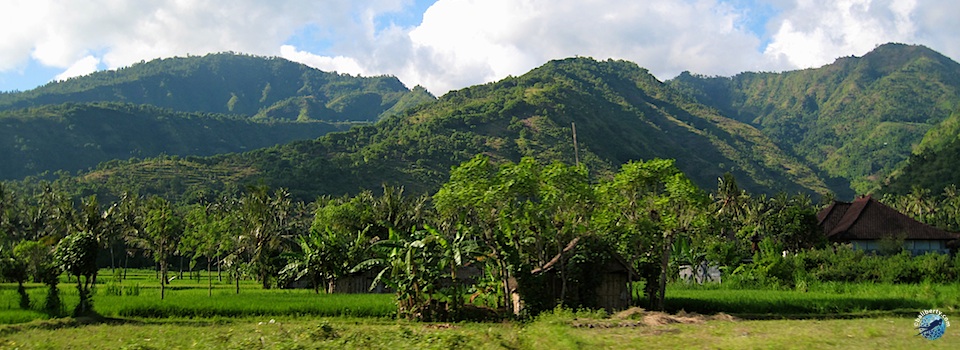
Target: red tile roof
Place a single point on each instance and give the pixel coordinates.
(868, 219)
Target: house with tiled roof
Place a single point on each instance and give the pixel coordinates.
(866, 221)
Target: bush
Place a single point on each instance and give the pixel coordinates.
(843, 264)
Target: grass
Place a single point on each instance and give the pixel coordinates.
(188, 298)
(553, 331)
(818, 301)
(828, 315)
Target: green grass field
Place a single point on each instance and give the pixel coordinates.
(822, 316)
(819, 301)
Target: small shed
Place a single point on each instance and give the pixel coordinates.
(600, 281)
(866, 221)
(357, 283)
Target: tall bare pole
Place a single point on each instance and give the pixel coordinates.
(576, 150)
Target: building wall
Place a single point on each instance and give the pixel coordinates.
(914, 246)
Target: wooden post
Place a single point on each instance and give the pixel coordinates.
(576, 149)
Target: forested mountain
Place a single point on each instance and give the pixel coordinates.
(935, 164)
(78, 136)
(621, 113)
(218, 103)
(234, 84)
(859, 118)
(841, 128)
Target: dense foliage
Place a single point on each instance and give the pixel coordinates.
(230, 83)
(621, 113)
(855, 120)
(503, 221)
(934, 165)
(73, 137)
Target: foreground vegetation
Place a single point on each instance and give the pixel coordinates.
(138, 298)
(560, 330)
(825, 315)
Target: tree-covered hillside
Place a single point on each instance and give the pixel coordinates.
(78, 136)
(934, 166)
(859, 118)
(231, 84)
(621, 113)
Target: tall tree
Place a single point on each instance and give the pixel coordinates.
(642, 209)
(206, 227)
(162, 230)
(470, 201)
(77, 255)
(266, 221)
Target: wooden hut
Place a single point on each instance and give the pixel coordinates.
(603, 282)
(358, 283)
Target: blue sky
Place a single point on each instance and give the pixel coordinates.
(451, 44)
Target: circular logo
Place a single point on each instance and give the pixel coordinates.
(931, 324)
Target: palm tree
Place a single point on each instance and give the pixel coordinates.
(265, 222)
(162, 230)
(319, 259)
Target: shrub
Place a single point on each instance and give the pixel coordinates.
(843, 264)
(113, 289)
(133, 290)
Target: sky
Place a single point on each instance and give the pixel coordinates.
(446, 45)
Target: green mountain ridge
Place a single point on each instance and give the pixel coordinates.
(218, 103)
(845, 128)
(228, 83)
(859, 118)
(78, 136)
(621, 113)
(934, 165)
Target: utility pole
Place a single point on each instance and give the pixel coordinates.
(576, 150)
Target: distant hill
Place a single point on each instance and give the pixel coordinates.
(845, 128)
(621, 112)
(229, 83)
(218, 103)
(935, 164)
(78, 136)
(857, 119)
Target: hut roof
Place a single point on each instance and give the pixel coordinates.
(868, 219)
(570, 249)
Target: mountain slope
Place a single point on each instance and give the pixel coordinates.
(621, 112)
(859, 118)
(230, 84)
(934, 165)
(75, 137)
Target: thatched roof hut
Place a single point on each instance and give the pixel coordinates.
(583, 274)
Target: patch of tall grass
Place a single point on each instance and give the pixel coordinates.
(816, 299)
(139, 296)
(195, 303)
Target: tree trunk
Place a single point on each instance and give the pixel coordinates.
(113, 263)
(563, 274)
(209, 279)
(237, 279)
(664, 262)
(265, 279)
(163, 279)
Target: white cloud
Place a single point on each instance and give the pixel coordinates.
(811, 33)
(58, 33)
(331, 64)
(465, 42)
(84, 66)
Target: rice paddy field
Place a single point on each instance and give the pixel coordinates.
(828, 316)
